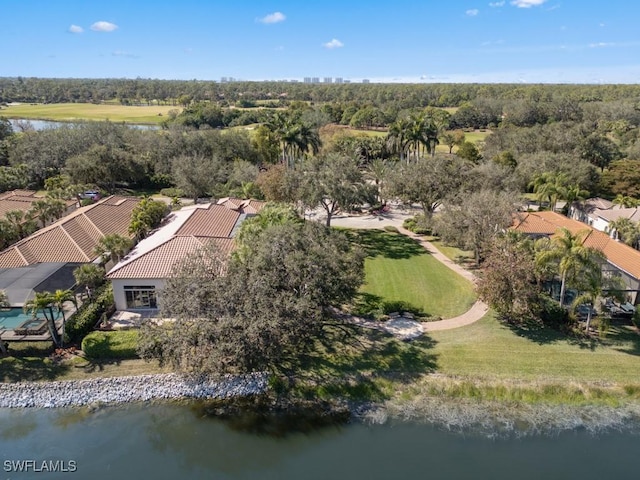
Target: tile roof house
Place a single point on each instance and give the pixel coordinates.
(598, 213)
(139, 278)
(22, 200)
(73, 237)
(622, 260)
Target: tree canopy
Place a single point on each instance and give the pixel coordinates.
(257, 312)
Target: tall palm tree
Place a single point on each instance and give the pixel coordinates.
(572, 260)
(44, 301)
(377, 171)
(295, 137)
(59, 298)
(397, 137)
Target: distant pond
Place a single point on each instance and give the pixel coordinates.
(43, 124)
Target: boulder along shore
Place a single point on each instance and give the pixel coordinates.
(75, 393)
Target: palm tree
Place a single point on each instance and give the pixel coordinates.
(295, 137)
(113, 247)
(625, 201)
(22, 222)
(625, 230)
(549, 186)
(90, 276)
(59, 298)
(572, 260)
(378, 171)
(397, 137)
(44, 301)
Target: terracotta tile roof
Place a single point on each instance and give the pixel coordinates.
(18, 193)
(214, 221)
(548, 223)
(159, 262)
(186, 230)
(72, 238)
(250, 207)
(21, 200)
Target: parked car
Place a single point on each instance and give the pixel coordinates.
(92, 194)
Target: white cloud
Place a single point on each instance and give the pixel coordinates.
(473, 12)
(75, 29)
(602, 44)
(120, 53)
(334, 43)
(103, 26)
(527, 3)
(496, 4)
(274, 17)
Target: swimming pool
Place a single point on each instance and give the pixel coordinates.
(10, 319)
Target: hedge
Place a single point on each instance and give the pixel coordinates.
(83, 321)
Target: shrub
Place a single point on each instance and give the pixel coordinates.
(118, 344)
(172, 192)
(83, 321)
(553, 315)
(391, 228)
(401, 306)
(419, 225)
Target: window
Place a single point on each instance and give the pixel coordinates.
(143, 296)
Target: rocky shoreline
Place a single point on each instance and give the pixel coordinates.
(140, 388)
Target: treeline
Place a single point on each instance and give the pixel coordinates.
(400, 96)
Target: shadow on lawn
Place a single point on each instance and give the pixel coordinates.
(30, 362)
(374, 306)
(364, 365)
(389, 245)
(620, 336)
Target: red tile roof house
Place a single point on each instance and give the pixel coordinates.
(74, 237)
(23, 200)
(622, 260)
(139, 278)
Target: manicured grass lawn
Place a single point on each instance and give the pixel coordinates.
(107, 345)
(89, 111)
(488, 349)
(399, 270)
(457, 255)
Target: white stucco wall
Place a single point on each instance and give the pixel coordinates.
(600, 224)
(119, 284)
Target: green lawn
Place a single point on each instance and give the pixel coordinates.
(488, 349)
(398, 269)
(108, 345)
(87, 111)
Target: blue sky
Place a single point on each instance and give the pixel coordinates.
(582, 41)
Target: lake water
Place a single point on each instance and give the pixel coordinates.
(42, 124)
(170, 441)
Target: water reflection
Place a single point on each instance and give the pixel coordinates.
(174, 441)
(20, 125)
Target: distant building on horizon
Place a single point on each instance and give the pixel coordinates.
(366, 80)
(328, 80)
